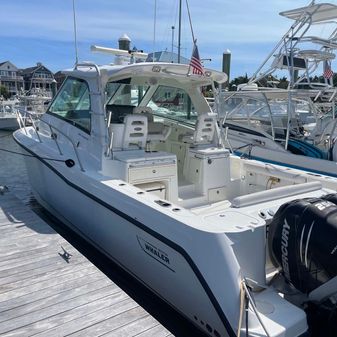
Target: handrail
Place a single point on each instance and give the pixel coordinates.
(52, 135)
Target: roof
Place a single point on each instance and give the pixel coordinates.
(2, 63)
(151, 69)
(318, 13)
(31, 70)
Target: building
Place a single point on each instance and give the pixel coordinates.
(59, 78)
(38, 78)
(10, 78)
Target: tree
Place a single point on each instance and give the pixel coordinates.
(4, 92)
(238, 80)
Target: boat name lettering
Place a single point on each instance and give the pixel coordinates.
(284, 249)
(156, 253)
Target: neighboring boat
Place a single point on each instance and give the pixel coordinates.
(8, 117)
(260, 126)
(145, 178)
(35, 102)
(296, 126)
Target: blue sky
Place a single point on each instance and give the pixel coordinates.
(42, 30)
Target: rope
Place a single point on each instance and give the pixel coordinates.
(8, 134)
(34, 156)
(253, 306)
(243, 146)
(242, 302)
(245, 300)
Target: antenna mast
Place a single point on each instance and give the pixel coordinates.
(154, 28)
(189, 18)
(75, 33)
(179, 32)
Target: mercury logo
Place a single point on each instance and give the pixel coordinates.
(284, 249)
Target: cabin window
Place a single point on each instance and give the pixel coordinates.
(124, 93)
(72, 103)
(122, 97)
(173, 103)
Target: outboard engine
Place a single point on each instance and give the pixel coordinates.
(302, 241)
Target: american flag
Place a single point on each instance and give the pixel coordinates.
(328, 73)
(195, 62)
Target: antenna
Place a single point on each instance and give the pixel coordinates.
(154, 28)
(179, 32)
(189, 18)
(75, 33)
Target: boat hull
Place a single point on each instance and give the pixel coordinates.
(9, 123)
(160, 264)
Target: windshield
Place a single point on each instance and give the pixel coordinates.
(173, 103)
(164, 101)
(72, 103)
(124, 93)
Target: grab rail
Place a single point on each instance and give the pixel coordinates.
(31, 116)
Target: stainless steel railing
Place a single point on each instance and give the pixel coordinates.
(25, 116)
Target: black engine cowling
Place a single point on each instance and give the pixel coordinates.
(303, 241)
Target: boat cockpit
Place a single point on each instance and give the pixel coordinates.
(159, 143)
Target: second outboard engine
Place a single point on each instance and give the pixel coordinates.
(303, 243)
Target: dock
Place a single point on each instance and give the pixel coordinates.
(48, 288)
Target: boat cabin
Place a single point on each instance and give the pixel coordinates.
(157, 129)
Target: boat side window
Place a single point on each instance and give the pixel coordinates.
(121, 97)
(173, 103)
(72, 103)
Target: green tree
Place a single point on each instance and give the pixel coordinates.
(236, 81)
(4, 92)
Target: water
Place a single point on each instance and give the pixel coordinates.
(13, 174)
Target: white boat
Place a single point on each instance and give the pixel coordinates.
(131, 158)
(296, 126)
(35, 100)
(8, 117)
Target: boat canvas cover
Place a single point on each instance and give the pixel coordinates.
(318, 13)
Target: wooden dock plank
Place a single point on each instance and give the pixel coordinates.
(133, 328)
(59, 313)
(116, 320)
(54, 299)
(92, 324)
(156, 331)
(13, 302)
(43, 294)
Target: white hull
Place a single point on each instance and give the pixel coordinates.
(171, 274)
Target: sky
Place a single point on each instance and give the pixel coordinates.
(34, 31)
